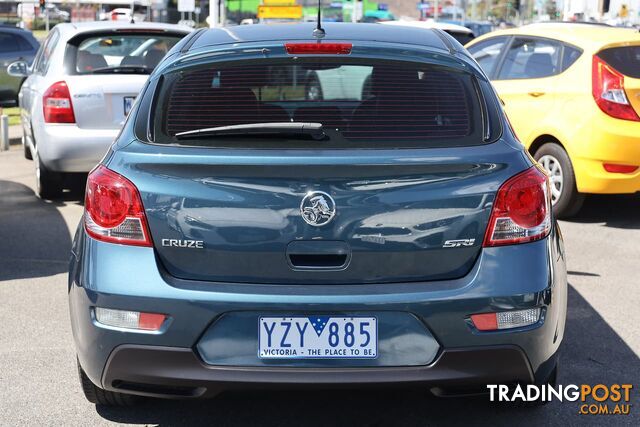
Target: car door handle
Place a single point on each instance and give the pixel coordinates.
(318, 255)
(536, 94)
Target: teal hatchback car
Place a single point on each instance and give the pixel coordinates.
(240, 232)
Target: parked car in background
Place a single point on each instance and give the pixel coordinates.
(15, 45)
(373, 16)
(56, 14)
(462, 34)
(478, 28)
(572, 94)
(235, 237)
(122, 14)
(79, 91)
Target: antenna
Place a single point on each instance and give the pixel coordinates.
(319, 31)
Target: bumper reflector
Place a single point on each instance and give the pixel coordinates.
(505, 319)
(129, 319)
(615, 168)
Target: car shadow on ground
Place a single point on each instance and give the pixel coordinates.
(35, 237)
(619, 211)
(592, 353)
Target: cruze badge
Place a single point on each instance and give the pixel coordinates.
(317, 208)
(175, 243)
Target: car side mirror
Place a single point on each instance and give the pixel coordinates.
(18, 69)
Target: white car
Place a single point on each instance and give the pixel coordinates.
(122, 14)
(77, 94)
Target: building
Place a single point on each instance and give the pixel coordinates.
(589, 10)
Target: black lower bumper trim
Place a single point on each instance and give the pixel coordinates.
(179, 373)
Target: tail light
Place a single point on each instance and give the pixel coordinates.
(318, 48)
(130, 319)
(521, 211)
(57, 105)
(608, 91)
(505, 319)
(113, 209)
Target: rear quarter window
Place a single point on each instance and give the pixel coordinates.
(46, 50)
(569, 56)
(530, 58)
(488, 52)
(624, 59)
(359, 103)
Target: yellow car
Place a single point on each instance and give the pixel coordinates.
(572, 94)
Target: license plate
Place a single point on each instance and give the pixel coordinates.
(318, 337)
(128, 103)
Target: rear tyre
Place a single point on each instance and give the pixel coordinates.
(48, 183)
(77, 183)
(27, 150)
(551, 380)
(98, 396)
(565, 198)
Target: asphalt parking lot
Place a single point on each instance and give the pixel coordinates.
(38, 382)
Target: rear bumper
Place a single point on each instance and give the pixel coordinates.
(603, 139)
(68, 148)
(593, 178)
(179, 373)
(128, 278)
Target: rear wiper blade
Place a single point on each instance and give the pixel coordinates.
(287, 129)
(137, 69)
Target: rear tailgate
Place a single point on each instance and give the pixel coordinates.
(102, 101)
(397, 217)
(400, 189)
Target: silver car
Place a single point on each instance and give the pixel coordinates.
(79, 90)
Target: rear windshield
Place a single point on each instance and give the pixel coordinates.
(121, 53)
(381, 104)
(624, 59)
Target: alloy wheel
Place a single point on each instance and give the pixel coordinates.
(556, 178)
